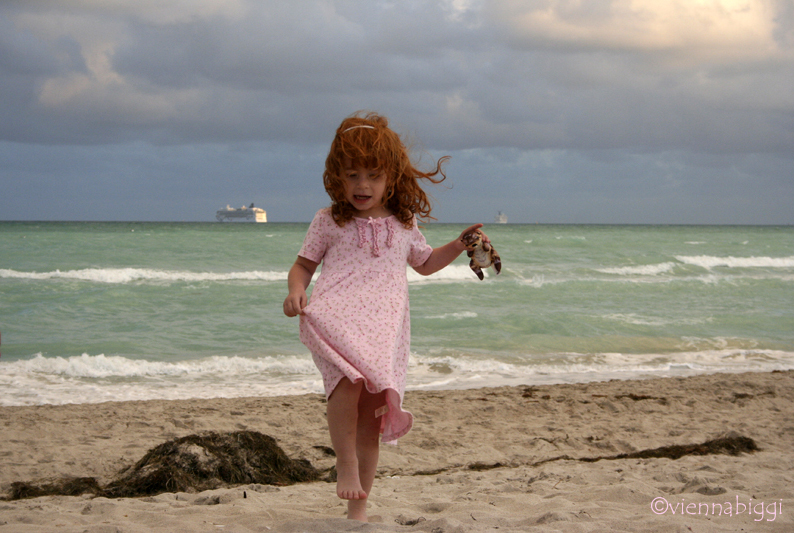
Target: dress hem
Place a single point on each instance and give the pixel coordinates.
(395, 409)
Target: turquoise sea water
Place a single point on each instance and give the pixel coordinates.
(93, 312)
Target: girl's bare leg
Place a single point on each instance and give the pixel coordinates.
(367, 449)
(343, 425)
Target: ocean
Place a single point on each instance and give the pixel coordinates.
(93, 312)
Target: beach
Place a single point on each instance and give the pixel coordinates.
(522, 458)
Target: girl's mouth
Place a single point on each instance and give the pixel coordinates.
(359, 198)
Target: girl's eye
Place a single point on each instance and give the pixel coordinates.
(374, 175)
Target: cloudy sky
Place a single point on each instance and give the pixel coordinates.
(571, 111)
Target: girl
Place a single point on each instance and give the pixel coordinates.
(357, 325)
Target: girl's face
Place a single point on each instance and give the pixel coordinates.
(365, 189)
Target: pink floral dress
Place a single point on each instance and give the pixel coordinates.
(357, 323)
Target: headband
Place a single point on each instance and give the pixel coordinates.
(359, 126)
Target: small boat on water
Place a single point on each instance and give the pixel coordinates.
(243, 214)
(500, 218)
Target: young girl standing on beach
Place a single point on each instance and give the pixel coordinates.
(357, 324)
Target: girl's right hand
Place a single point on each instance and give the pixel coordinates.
(294, 303)
(300, 275)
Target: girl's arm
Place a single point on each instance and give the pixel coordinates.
(300, 275)
(444, 255)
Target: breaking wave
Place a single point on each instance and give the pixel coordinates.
(114, 366)
(128, 275)
(99, 378)
(709, 262)
(641, 270)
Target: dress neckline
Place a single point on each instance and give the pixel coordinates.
(376, 219)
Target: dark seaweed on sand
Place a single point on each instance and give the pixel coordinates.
(203, 462)
(189, 464)
(70, 486)
(732, 444)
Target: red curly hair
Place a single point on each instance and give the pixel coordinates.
(368, 140)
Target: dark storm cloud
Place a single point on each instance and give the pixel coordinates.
(608, 111)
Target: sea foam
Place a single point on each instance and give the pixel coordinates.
(100, 378)
(103, 366)
(450, 273)
(709, 262)
(640, 270)
(127, 275)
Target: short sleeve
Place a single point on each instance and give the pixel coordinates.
(316, 242)
(418, 251)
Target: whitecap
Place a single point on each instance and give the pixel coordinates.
(708, 262)
(115, 366)
(127, 275)
(447, 274)
(639, 320)
(457, 316)
(640, 270)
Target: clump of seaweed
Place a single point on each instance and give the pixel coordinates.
(204, 462)
(731, 444)
(68, 486)
(208, 461)
(190, 464)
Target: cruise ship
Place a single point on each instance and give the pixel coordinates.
(500, 218)
(242, 214)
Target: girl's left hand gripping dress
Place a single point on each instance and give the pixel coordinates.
(357, 323)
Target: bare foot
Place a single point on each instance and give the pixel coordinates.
(357, 510)
(362, 517)
(348, 485)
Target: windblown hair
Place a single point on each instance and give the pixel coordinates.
(367, 140)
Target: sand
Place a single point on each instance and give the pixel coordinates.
(499, 459)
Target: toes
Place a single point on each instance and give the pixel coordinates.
(352, 494)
